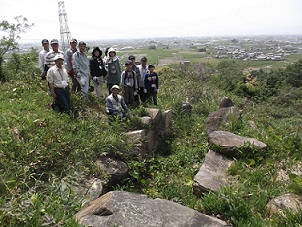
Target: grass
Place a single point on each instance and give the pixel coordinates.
(44, 154)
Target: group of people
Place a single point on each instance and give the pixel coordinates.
(137, 83)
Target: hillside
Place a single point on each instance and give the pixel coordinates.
(43, 154)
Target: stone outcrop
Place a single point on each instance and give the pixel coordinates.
(216, 119)
(116, 170)
(167, 116)
(281, 203)
(229, 142)
(226, 102)
(154, 113)
(145, 141)
(118, 208)
(146, 120)
(212, 174)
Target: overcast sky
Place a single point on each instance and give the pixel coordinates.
(114, 19)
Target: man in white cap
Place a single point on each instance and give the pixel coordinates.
(115, 104)
(57, 78)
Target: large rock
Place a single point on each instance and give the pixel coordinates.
(154, 113)
(146, 120)
(152, 140)
(136, 136)
(212, 174)
(115, 169)
(216, 119)
(226, 102)
(288, 201)
(167, 115)
(229, 142)
(119, 208)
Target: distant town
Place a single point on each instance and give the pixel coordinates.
(249, 48)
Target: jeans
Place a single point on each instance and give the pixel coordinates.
(63, 99)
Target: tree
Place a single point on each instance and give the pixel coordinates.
(10, 41)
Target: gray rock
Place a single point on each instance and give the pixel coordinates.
(95, 188)
(216, 119)
(186, 108)
(167, 115)
(226, 102)
(229, 142)
(115, 169)
(154, 113)
(88, 188)
(119, 208)
(136, 136)
(212, 174)
(288, 201)
(152, 140)
(146, 120)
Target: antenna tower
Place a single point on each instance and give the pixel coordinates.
(64, 30)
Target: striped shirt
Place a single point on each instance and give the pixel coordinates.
(49, 58)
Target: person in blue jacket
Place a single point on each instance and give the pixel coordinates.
(151, 85)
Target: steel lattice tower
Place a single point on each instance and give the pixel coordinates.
(64, 30)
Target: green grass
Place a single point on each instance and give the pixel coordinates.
(44, 153)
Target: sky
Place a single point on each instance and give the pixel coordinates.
(120, 19)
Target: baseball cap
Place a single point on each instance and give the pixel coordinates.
(131, 57)
(128, 62)
(143, 59)
(58, 56)
(54, 41)
(115, 86)
(44, 41)
(73, 41)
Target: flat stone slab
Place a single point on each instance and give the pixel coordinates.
(229, 141)
(120, 208)
(281, 203)
(212, 174)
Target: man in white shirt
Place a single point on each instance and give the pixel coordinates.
(57, 78)
(42, 55)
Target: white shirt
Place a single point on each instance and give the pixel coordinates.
(57, 77)
(143, 72)
(42, 55)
